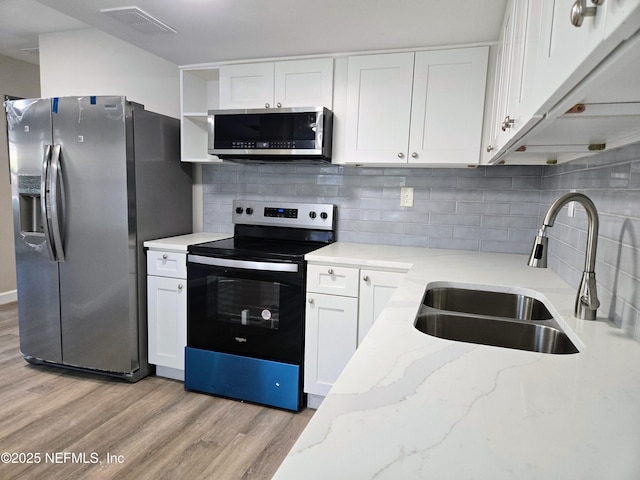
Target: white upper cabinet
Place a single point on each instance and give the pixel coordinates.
(567, 46)
(515, 97)
(378, 108)
(199, 92)
(578, 35)
(566, 80)
(246, 86)
(296, 83)
(304, 83)
(416, 108)
(448, 106)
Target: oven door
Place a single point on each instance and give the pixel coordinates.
(250, 308)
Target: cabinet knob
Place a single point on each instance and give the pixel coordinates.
(400, 155)
(266, 105)
(310, 300)
(507, 123)
(278, 105)
(330, 271)
(180, 286)
(165, 256)
(579, 10)
(490, 149)
(365, 278)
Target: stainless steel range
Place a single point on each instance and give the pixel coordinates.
(245, 324)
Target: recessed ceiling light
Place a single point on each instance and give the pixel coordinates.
(139, 20)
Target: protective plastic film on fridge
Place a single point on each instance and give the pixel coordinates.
(92, 178)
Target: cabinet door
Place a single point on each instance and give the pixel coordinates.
(448, 106)
(167, 321)
(517, 102)
(378, 108)
(331, 337)
(493, 119)
(376, 288)
(566, 47)
(246, 85)
(304, 83)
(499, 135)
(524, 101)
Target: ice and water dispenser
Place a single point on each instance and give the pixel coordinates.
(29, 190)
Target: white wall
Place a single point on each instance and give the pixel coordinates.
(90, 62)
(18, 79)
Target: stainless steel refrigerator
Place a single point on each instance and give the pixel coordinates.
(92, 178)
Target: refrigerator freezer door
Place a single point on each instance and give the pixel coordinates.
(29, 133)
(97, 278)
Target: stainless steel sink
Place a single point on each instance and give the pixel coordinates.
(500, 319)
(483, 302)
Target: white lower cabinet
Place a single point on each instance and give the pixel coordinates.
(167, 312)
(342, 304)
(376, 289)
(331, 337)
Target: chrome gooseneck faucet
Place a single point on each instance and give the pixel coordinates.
(587, 302)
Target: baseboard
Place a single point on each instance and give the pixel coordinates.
(169, 372)
(8, 297)
(314, 401)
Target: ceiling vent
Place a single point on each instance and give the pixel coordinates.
(139, 20)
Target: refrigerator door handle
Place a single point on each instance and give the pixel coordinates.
(56, 200)
(44, 201)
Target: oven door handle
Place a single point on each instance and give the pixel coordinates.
(243, 264)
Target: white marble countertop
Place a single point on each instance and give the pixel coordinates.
(412, 406)
(181, 242)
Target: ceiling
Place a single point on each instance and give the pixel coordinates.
(222, 30)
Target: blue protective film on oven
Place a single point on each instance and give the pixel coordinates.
(244, 378)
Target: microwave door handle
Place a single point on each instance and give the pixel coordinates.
(319, 129)
(44, 201)
(56, 200)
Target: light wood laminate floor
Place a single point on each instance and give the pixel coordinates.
(74, 425)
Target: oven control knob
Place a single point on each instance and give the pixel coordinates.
(249, 210)
(239, 210)
(324, 215)
(312, 214)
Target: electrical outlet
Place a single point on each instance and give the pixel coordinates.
(406, 197)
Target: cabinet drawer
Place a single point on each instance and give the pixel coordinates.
(167, 264)
(333, 280)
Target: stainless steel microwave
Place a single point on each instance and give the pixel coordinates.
(271, 135)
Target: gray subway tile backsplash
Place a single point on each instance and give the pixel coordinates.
(608, 179)
(492, 209)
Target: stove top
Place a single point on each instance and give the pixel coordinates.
(271, 230)
(255, 248)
